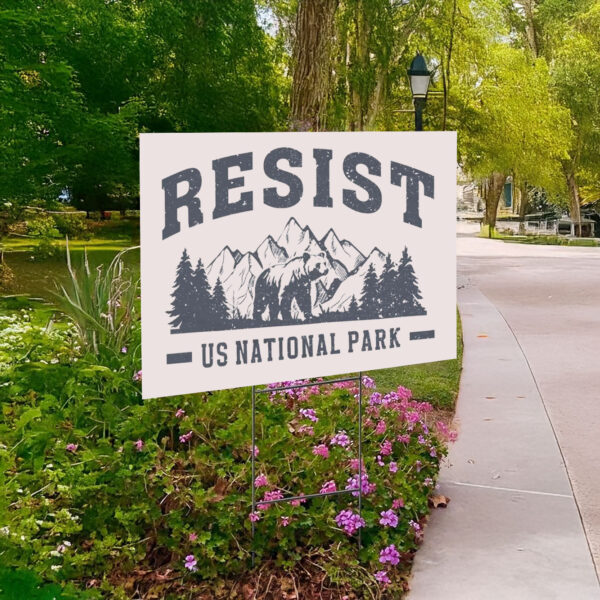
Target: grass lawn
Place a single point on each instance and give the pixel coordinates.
(539, 240)
(20, 244)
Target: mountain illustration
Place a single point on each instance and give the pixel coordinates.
(221, 267)
(271, 253)
(291, 279)
(344, 252)
(353, 285)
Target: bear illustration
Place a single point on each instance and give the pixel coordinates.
(278, 285)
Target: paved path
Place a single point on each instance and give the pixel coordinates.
(531, 319)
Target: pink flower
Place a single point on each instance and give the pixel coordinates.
(349, 521)
(404, 439)
(386, 448)
(379, 461)
(285, 521)
(274, 495)
(388, 518)
(368, 382)
(340, 439)
(186, 437)
(255, 451)
(393, 467)
(309, 413)
(382, 577)
(428, 482)
(306, 430)
(414, 525)
(193, 537)
(190, 563)
(321, 450)
(380, 428)
(398, 503)
(375, 398)
(72, 447)
(260, 481)
(138, 376)
(328, 486)
(412, 417)
(389, 554)
(254, 516)
(180, 413)
(404, 393)
(418, 466)
(353, 464)
(138, 445)
(124, 350)
(366, 487)
(298, 502)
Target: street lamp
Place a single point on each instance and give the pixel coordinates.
(419, 77)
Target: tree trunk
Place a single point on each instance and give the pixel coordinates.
(523, 207)
(446, 67)
(495, 188)
(574, 201)
(529, 7)
(311, 60)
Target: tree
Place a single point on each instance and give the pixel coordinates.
(202, 309)
(388, 289)
(184, 296)
(409, 294)
(353, 311)
(40, 106)
(369, 300)
(576, 71)
(311, 78)
(518, 129)
(218, 304)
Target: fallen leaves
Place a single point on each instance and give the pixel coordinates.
(439, 501)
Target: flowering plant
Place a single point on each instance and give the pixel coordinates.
(102, 486)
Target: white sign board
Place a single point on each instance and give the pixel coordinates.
(278, 256)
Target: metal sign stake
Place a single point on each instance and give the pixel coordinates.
(358, 489)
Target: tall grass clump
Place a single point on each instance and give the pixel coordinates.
(101, 303)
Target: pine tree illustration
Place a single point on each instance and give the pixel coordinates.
(353, 310)
(202, 316)
(409, 294)
(218, 304)
(369, 300)
(387, 284)
(183, 296)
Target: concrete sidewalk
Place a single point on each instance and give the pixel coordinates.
(512, 530)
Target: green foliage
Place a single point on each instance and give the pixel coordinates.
(26, 337)
(71, 224)
(519, 129)
(42, 226)
(97, 483)
(80, 80)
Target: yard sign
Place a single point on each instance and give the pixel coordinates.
(278, 256)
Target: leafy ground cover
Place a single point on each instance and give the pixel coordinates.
(128, 499)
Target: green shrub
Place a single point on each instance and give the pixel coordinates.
(71, 224)
(96, 482)
(42, 226)
(46, 248)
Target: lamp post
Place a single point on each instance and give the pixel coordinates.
(419, 77)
